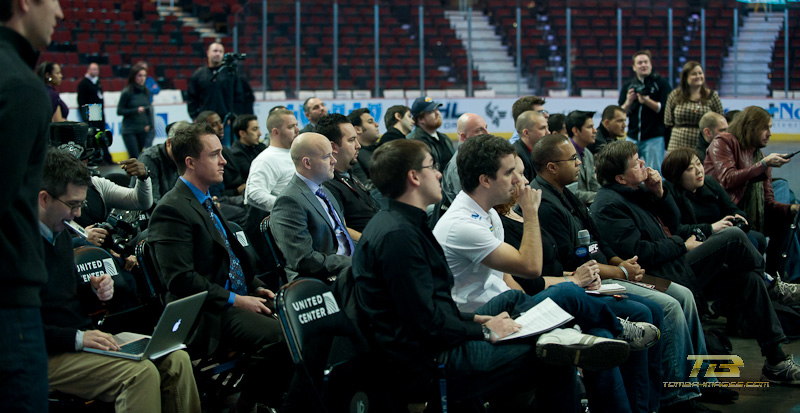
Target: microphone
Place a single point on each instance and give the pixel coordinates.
(582, 250)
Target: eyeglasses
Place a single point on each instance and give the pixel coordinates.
(73, 206)
(434, 166)
(573, 158)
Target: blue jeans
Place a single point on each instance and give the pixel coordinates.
(23, 361)
(641, 373)
(479, 368)
(681, 335)
(651, 150)
(482, 369)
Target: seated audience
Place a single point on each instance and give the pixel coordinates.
(638, 217)
(142, 386)
(160, 164)
(398, 122)
(712, 124)
(556, 123)
(273, 168)
(472, 237)
(307, 223)
(367, 134)
(562, 216)
(706, 207)
(248, 143)
(358, 206)
(399, 265)
(580, 128)
(735, 160)
(612, 128)
(524, 104)
(428, 120)
(531, 126)
(467, 126)
(195, 250)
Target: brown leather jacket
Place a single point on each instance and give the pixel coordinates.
(733, 167)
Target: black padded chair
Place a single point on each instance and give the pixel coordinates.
(325, 346)
(274, 261)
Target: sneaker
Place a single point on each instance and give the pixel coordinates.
(638, 334)
(567, 347)
(784, 293)
(785, 372)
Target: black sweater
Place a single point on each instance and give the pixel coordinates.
(62, 312)
(25, 113)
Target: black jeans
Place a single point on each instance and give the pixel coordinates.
(731, 271)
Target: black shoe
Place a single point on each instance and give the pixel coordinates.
(719, 395)
(687, 406)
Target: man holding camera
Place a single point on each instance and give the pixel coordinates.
(643, 98)
(210, 90)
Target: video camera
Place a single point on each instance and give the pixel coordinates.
(86, 141)
(123, 228)
(231, 58)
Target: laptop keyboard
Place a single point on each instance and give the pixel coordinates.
(135, 347)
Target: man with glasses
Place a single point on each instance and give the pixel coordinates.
(307, 221)
(524, 104)
(130, 385)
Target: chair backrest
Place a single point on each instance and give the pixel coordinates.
(155, 289)
(308, 311)
(91, 261)
(275, 259)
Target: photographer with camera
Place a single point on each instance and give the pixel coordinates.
(643, 98)
(217, 86)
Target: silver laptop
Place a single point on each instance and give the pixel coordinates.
(171, 331)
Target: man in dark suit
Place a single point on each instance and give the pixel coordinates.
(307, 223)
(195, 251)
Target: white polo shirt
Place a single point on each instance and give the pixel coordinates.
(468, 234)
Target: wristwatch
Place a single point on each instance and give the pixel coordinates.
(487, 333)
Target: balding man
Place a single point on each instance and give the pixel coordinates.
(467, 126)
(90, 91)
(712, 124)
(531, 126)
(307, 222)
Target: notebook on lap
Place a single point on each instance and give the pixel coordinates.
(171, 331)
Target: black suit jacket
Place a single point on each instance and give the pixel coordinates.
(525, 154)
(190, 256)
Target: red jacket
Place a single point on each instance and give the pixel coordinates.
(733, 167)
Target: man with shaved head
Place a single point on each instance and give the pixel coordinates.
(531, 126)
(307, 222)
(467, 126)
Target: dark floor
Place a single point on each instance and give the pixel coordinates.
(775, 398)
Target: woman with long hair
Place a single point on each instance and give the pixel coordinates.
(50, 73)
(687, 104)
(136, 111)
(735, 160)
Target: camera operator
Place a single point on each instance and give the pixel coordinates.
(209, 90)
(643, 98)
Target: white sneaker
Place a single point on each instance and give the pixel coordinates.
(565, 346)
(638, 334)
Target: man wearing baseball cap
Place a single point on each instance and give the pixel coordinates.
(428, 119)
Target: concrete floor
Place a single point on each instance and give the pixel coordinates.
(775, 398)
